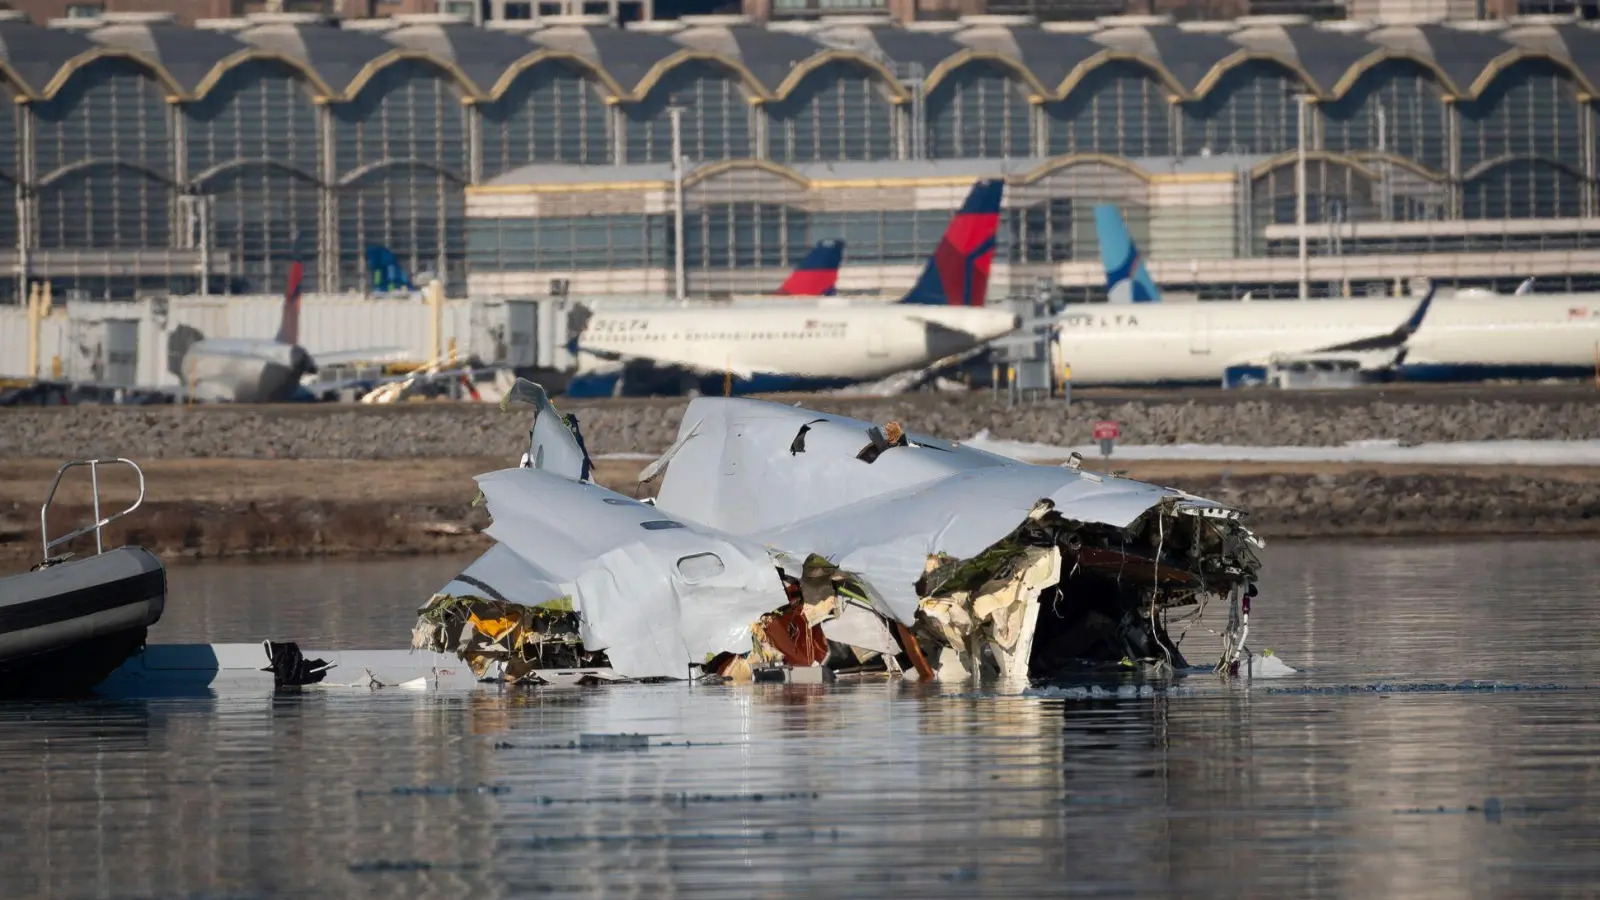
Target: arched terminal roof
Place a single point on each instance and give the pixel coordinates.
(1191, 59)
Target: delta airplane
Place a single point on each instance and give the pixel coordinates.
(809, 346)
(1136, 339)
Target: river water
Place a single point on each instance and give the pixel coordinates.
(1373, 772)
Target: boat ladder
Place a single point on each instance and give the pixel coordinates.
(99, 522)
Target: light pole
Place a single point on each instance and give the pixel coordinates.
(1302, 101)
(676, 114)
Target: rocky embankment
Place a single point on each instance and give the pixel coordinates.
(435, 431)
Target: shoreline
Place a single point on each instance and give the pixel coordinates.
(207, 509)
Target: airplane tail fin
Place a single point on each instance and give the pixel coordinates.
(957, 274)
(818, 274)
(289, 331)
(1127, 278)
(178, 343)
(387, 273)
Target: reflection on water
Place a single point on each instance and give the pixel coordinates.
(866, 789)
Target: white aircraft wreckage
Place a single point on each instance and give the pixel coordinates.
(788, 544)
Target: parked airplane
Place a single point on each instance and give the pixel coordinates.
(1463, 337)
(818, 274)
(254, 370)
(388, 276)
(809, 346)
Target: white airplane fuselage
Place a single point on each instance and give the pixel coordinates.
(806, 343)
(244, 370)
(1148, 343)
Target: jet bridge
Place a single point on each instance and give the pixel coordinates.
(1027, 354)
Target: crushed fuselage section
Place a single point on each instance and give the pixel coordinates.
(786, 541)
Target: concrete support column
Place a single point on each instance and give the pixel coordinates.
(758, 126)
(1586, 143)
(27, 203)
(1455, 204)
(474, 142)
(619, 135)
(327, 245)
(902, 131)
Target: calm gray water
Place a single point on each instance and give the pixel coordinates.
(1284, 788)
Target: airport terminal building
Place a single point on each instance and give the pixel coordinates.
(142, 153)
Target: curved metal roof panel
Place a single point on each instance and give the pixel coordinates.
(483, 55)
(905, 49)
(1574, 44)
(336, 55)
(626, 56)
(1464, 55)
(769, 55)
(629, 61)
(189, 55)
(1189, 55)
(1052, 56)
(36, 54)
(1324, 56)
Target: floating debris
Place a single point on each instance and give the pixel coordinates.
(791, 545)
(613, 741)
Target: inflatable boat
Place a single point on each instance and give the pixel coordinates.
(70, 621)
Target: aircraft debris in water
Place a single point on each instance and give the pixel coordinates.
(922, 558)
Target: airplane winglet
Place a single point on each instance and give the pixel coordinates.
(1394, 339)
(1412, 324)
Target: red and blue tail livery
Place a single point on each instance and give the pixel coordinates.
(958, 272)
(817, 274)
(289, 329)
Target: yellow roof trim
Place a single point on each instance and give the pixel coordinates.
(588, 188)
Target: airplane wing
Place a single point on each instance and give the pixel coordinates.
(934, 326)
(365, 354)
(698, 366)
(1395, 339)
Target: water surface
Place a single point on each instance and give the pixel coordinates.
(872, 789)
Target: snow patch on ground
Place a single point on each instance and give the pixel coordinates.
(1511, 452)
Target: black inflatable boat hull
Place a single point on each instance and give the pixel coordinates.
(65, 628)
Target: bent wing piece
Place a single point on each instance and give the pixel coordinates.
(553, 444)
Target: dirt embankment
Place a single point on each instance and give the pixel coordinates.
(210, 508)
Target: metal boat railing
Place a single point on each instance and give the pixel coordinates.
(99, 522)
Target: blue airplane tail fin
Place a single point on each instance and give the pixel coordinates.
(1127, 278)
(387, 273)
